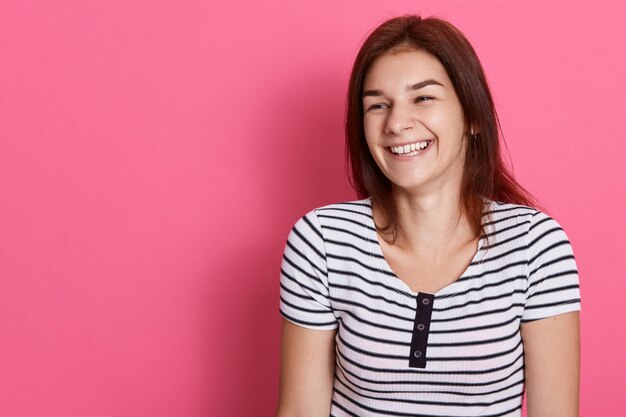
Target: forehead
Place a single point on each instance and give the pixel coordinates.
(405, 67)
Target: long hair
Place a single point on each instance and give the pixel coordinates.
(485, 174)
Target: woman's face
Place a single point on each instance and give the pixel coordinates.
(413, 122)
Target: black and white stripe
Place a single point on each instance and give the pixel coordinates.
(334, 276)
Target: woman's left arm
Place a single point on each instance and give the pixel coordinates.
(552, 362)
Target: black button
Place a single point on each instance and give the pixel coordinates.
(421, 324)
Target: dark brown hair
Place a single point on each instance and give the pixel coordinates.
(485, 174)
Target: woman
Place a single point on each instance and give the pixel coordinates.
(442, 292)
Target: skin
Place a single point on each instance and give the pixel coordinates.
(435, 241)
(552, 365)
(307, 369)
(426, 189)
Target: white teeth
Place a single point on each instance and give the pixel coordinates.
(400, 150)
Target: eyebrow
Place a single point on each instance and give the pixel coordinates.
(414, 87)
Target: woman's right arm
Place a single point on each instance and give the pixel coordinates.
(307, 369)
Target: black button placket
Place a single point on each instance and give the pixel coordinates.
(421, 327)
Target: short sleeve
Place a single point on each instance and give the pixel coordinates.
(553, 283)
(304, 291)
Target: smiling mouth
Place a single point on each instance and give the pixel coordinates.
(410, 149)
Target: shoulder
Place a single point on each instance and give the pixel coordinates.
(347, 218)
(345, 213)
(352, 206)
(500, 212)
(346, 210)
(523, 227)
(538, 233)
(530, 219)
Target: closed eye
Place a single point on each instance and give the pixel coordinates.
(421, 99)
(377, 106)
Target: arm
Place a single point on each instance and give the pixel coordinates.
(552, 361)
(309, 324)
(550, 327)
(307, 367)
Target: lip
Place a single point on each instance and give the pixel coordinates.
(407, 157)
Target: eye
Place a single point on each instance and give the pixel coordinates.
(421, 99)
(376, 106)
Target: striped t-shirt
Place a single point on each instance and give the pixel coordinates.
(457, 352)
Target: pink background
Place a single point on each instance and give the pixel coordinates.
(154, 155)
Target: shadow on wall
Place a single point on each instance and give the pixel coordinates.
(300, 165)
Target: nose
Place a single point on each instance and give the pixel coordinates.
(399, 120)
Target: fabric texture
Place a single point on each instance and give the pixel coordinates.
(334, 276)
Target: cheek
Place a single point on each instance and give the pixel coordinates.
(374, 150)
(371, 128)
(437, 119)
(372, 140)
(447, 125)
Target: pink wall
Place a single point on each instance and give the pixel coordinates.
(153, 156)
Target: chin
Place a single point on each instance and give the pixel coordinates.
(406, 186)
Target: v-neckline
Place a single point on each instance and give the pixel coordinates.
(383, 264)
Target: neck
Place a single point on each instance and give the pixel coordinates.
(428, 224)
